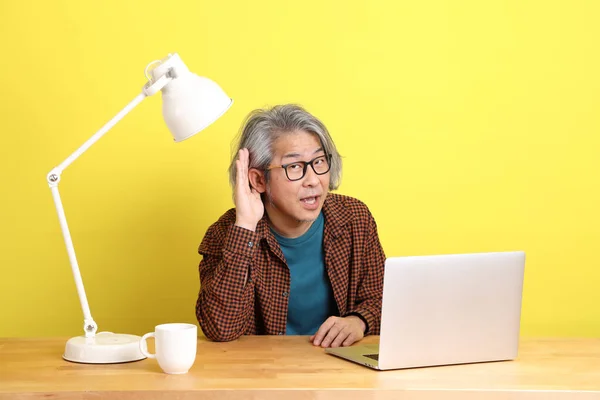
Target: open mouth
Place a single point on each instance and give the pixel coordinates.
(310, 200)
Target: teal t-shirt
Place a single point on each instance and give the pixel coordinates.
(311, 299)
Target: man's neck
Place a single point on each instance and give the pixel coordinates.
(286, 227)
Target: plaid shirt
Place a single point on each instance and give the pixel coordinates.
(245, 281)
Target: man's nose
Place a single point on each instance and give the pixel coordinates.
(310, 178)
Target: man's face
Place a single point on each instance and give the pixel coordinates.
(291, 204)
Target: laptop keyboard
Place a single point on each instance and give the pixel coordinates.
(372, 356)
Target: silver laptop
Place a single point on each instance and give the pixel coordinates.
(446, 309)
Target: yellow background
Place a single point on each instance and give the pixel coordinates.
(466, 126)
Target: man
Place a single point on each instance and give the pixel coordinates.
(290, 258)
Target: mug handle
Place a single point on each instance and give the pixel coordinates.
(144, 345)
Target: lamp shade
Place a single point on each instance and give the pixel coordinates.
(190, 102)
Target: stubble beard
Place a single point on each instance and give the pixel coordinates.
(272, 204)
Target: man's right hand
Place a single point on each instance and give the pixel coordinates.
(248, 204)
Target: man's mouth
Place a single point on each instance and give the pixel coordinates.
(309, 200)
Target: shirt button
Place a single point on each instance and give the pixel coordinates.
(250, 244)
(280, 333)
(285, 294)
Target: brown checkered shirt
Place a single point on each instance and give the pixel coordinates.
(245, 281)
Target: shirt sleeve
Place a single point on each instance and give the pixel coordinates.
(226, 298)
(370, 291)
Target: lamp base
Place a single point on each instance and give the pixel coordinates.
(104, 348)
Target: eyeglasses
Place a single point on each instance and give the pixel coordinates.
(296, 170)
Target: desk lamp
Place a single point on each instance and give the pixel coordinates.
(190, 104)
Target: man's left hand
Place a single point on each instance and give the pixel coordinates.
(337, 331)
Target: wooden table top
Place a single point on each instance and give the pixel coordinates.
(289, 367)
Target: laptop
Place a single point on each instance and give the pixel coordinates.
(444, 310)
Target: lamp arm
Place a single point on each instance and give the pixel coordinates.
(149, 89)
(53, 178)
(89, 326)
(54, 175)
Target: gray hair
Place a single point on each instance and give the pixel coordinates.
(263, 126)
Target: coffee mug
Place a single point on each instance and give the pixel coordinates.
(175, 346)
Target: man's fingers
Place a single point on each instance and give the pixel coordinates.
(349, 340)
(320, 335)
(341, 337)
(334, 331)
(239, 168)
(244, 164)
(323, 329)
(241, 165)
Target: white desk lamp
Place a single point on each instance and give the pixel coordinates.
(190, 104)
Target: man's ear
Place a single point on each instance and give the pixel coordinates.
(257, 180)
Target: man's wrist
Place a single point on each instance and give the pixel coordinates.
(246, 225)
(364, 323)
(359, 321)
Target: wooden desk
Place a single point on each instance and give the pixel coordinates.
(288, 368)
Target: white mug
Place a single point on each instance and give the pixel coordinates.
(175, 347)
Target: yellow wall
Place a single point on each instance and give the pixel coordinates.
(466, 126)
